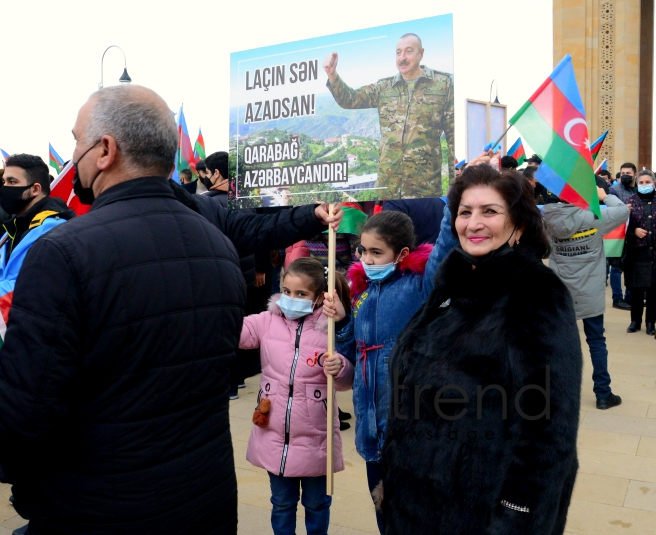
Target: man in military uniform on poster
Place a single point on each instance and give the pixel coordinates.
(414, 107)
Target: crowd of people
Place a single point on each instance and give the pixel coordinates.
(132, 327)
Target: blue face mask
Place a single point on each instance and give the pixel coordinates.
(645, 190)
(380, 272)
(294, 308)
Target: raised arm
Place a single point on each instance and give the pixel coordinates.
(365, 97)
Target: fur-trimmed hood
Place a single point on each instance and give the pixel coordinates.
(320, 321)
(415, 262)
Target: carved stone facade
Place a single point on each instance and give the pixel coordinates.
(606, 80)
(604, 39)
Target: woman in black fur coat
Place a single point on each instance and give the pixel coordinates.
(487, 379)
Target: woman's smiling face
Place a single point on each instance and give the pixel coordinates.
(483, 222)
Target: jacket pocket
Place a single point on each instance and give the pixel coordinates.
(316, 397)
(268, 389)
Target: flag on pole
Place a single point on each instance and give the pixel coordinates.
(185, 153)
(517, 151)
(603, 165)
(553, 123)
(62, 187)
(4, 157)
(199, 147)
(596, 146)
(56, 161)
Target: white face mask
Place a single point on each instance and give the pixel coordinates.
(294, 308)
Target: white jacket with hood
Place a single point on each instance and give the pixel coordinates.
(578, 256)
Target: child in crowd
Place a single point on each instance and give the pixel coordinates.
(389, 284)
(289, 436)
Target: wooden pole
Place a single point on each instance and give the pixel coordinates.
(331, 349)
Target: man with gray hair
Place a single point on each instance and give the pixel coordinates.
(113, 375)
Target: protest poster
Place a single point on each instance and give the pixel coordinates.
(355, 116)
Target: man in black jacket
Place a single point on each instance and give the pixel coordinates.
(113, 375)
(216, 179)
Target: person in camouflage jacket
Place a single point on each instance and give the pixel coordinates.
(415, 106)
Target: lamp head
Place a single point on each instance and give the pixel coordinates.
(125, 77)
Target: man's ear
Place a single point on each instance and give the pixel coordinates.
(36, 189)
(108, 153)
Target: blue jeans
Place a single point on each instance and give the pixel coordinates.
(284, 497)
(594, 336)
(616, 283)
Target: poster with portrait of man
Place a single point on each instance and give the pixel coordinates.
(356, 116)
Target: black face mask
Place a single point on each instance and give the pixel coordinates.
(207, 183)
(85, 195)
(504, 250)
(11, 198)
(627, 180)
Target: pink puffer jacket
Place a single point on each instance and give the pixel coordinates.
(302, 450)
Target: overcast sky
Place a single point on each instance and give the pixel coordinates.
(51, 52)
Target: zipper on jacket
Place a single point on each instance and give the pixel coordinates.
(290, 397)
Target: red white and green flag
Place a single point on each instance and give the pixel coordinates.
(553, 123)
(199, 147)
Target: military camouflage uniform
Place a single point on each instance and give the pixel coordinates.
(410, 161)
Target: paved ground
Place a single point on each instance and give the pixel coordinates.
(616, 486)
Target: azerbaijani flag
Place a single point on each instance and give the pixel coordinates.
(553, 123)
(185, 153)
(614, 242)
(4, 157)
(62, 187)
(517, 151)
(199, 147)
(56, 161)
(596, 146)
(602, 165)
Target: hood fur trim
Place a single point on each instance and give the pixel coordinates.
(320, 321)
(415, 262)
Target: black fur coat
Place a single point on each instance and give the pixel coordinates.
(483, 335)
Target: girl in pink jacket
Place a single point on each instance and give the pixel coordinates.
(289, 438)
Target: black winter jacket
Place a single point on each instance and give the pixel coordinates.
(505, 323)
(250, 232)
(113, 375)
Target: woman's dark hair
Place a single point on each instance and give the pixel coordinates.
(518, 194)
(394, 228)
(318, 277)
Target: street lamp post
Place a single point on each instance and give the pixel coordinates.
(125, 77)
(496, 98)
